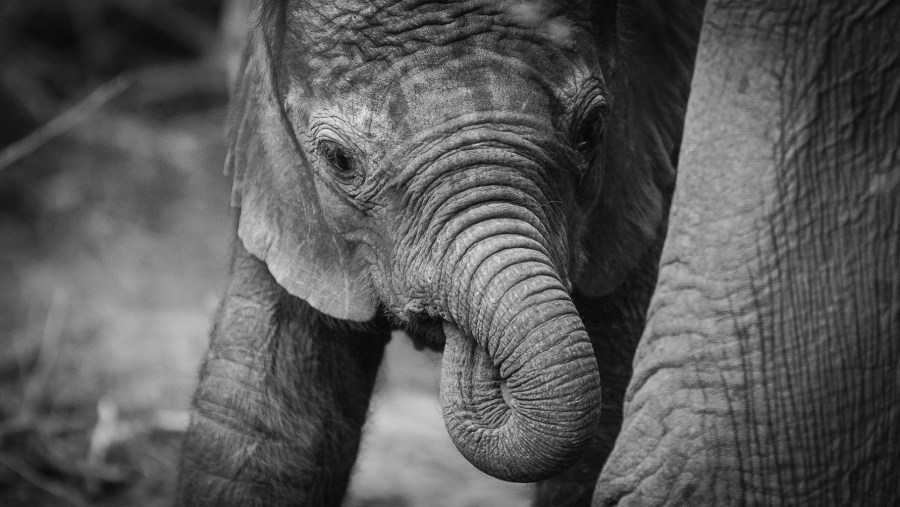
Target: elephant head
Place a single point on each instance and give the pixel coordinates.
(464, 166)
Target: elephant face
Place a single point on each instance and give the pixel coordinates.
(399, 162)
(370, 122)
(447, 161)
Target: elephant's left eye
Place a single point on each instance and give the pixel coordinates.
(589, 121)
(588, 134)
(342, 163)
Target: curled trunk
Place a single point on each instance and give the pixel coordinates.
(511, 322)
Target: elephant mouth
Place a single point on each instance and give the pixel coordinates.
(426, 332)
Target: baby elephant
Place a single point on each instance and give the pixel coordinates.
(493, 177)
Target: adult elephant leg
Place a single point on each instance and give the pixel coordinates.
(768, 372)
(282, 398)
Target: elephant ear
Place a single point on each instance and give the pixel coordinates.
(653, 44)
(281, 220)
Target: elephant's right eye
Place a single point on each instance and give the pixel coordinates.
(336, 156)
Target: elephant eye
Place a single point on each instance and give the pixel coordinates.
(589, 121)
(588, 134)
(336, 156)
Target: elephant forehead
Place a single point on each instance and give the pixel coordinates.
(347, 44)
(405, 110)
(431, 97)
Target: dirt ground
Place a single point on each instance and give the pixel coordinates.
(114, 242)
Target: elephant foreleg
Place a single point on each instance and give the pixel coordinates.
(282, 398)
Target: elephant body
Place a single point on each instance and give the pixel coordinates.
(769, 371)
(492, 177)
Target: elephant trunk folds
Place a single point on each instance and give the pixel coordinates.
(513, 323)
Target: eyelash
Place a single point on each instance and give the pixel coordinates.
(588, 133)
(589, 122)
(337, 158)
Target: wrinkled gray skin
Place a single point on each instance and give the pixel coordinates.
(769, 372)
(493, 176)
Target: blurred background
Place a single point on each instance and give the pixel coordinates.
(114, 241)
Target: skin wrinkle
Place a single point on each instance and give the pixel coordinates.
(543, 419)
(516, 261)
(488, 216)
(470, 273)
(476, 237)
(500, 352)
(565, 94)
(217, 374)
(499, 198)
(461, 314)
(483, 233)
(503, 319)
(514, 171)
(461, 194)
(390, 37)
(691, 321)
(508, 131)
(333, 128)
(752, 377)
(352, 75)
(484, 245)
(211, 414)
(522, 355)
(231, 467)
(487, 431)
